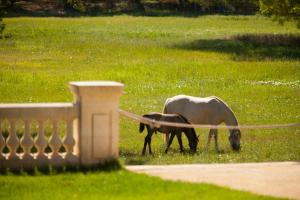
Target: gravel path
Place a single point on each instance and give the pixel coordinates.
(278, 179)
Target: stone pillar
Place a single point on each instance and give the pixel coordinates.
(98, 131)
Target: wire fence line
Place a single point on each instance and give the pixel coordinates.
(156, 123)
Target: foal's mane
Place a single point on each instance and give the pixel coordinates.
(187, 121)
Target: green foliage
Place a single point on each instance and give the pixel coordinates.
(145, 6)
(77, 5)
(2, 26)
(227, 6)
(282, 11)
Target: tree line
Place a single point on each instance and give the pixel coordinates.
(142, 6)
(280, 10)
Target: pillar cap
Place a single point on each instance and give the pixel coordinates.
(96, 90)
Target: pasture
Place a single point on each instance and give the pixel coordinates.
(118, 184)
(159, 57)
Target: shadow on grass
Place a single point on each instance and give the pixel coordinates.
(250, 46)
(109, 166)
(133, 158)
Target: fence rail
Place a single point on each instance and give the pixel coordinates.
(156, 123)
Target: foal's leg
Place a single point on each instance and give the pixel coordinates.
(147, 140)
(179, 141)
(145, 144)
(170, 142)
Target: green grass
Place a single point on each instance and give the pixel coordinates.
(119, 184)
(159, 57)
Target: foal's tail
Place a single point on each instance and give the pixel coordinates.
(142, 127)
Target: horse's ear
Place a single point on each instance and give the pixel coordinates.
(240, 133)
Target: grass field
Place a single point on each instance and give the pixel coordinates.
(155, 57)
(159, 57)
(119, 184)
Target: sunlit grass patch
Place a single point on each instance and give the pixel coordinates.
(119, 184)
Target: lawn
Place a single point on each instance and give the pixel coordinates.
(119, 184)
(159, 57)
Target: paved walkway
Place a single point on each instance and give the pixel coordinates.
(278, 179)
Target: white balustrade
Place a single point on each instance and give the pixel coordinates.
(53, 112)
(13, 141)
(2, 144)
(55, 144)
(91, 131)
(27, 144)
(69, 143)
(41, 143)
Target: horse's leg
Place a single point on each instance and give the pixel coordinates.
(146, 141)
(166, 138)
(215, 132)
(149, 142)
(180, 141)
(169, 142)
(209, 137)
(145, 144)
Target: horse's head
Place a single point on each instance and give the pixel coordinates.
(234, 139)
(193, 142)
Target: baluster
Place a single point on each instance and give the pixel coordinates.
(27, 142)
(69, 143)
(55, 143)
(12, 141)
(2, 143)
(41, 143)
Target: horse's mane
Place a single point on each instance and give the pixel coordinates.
(184, 119)
(223, 102)
(187, 121)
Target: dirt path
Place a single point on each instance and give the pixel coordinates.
(278, 179)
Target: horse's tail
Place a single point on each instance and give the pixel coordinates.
(165, 111)
(142, 127)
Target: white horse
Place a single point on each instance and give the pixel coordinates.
(208, 111)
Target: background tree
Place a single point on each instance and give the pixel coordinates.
(2, 26)
(110, 5)
(134, 5)
(281, 10)
(77, 5)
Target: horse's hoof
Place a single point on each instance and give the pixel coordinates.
(220, 151)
